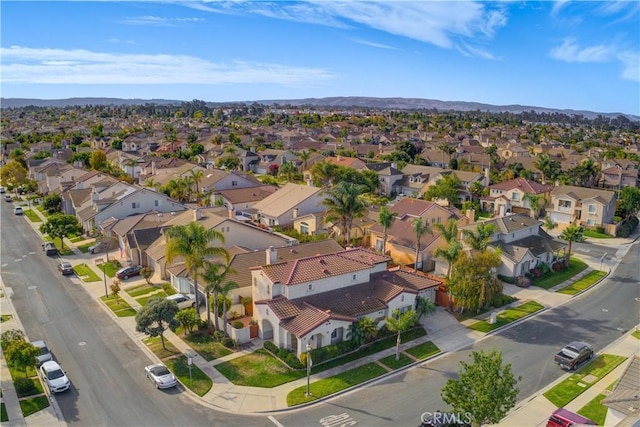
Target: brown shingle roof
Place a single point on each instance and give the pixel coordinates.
(528, 186)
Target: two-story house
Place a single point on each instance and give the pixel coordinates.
(313, 301)
(511, 196)
(589, 207)
(288, 203)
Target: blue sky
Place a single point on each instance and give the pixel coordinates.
(582, 55)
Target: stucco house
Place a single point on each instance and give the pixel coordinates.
(314, 300)
(511, 196)
(589, 207)
(623, 402)
(288, 203)
(523, 243)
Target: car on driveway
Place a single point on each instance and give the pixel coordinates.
(126, 272)
(160, 376)
(44, 355)
(65, 268)
(54, 377)
(97, 247)
(49, 249)
(184, 300)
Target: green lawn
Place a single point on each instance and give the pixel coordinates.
(33, 217)
(258, 369)
(424, 350)
(508, 316)
(36, 390)
(573, 386)
(119, 306)
(3, 413)
(143, 300)
(5, 317)
(392, 363)
(76, 239)
(636, 334)
(331, 385)
(554, 278)
(206, 346)
(143, 289)
(84, 272)
(155, 345)
(585, 282)
(595, 410)
(110, 267)
(33, 405)
(15, 373)
(198, 382)
(595, 234)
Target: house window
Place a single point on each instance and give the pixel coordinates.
(156, 202)
(310, 286)
(592, 209)
(272, 222)
(564, 203)
(354, 277)
(591, 222)
(304, 228)
(515, 197)
(234, 183)
(334, 334)
(135, 205)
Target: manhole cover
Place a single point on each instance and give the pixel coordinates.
(606, 310)
(81, 343)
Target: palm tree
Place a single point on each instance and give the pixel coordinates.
(324, 172)
(385, 219)
(214, 276)
(445, 148)
(288, 170)
(362, 331)
(543, 164)
(196, 176)
(449, 233)
(573, 233)
(400, 322)
(191, 242)
(549, 224)
(224, 291)
(304, 155)
(479, 238)
(536, 202)
(420, 227)
(150, 182)
(344, 204)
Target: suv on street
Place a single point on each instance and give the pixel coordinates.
(65, 268)
(126, 272)
(45, 354)
(49, 249)
(55, 378)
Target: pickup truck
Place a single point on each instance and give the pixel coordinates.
(573, 355)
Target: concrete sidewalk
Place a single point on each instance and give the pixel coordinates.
(442, 329)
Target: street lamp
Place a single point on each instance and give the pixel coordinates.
(190, 355)
(308, 369)
(104, 276)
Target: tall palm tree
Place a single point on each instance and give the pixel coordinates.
(400, 322)
(215, 276)
(421, 228)
(304, 155)
(385, 219)
(449, 233)
(196, 176)
(150, 182)
(536, 202)
(344, 204)
(224, 291)
(548, 223)
(479, 238)
(192, 243)
(543, 164)
(573, 233)
(447, 149)
(324, 172)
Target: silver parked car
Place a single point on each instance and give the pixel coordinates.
(55, 378)
(45, 354)
(160, 375)
(184, 300)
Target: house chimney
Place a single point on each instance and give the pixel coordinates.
(153, 168)
(232, 214)
(197, 215)
(272, 255)
(471, 215)
(296, 211)
(339, 158)
(95, 196)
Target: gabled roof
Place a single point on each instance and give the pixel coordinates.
(582, 193)
(251, 194)
(526, 185)
(412, 206)
(625, 396)
(401, 233)
(507, 224)
(285, 199)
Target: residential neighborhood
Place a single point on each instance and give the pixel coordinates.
(324, 240)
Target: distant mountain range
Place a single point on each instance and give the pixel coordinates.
(336, 102)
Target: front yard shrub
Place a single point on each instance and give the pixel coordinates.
(507, 279)
(627, 227)
(285, 355)
(24, 386)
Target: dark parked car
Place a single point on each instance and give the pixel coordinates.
(65, 268)
(573, 355)
(126, 272)
(49, 249)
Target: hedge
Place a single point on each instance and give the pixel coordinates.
(285, 355)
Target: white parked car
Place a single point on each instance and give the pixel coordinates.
(18, 210)
(55, 378)
(160, 376)
(183, 300)
(45, 354)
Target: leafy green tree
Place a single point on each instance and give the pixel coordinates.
(147, 273)
(304, 155)
(573, 233)
(10, 336)
(536, 202)
(449, 233)
(479, 238)
(323, 174)
(52, 203)
(424, 306)
(98, 160)
(344, 204)
(385, 219)
(420, 228)
(362, 331)
(400, 322)
(447, 188)
(548, 223)
(61, 225)
(289, 171)
(447, 149)
(629, 201)
(192, 242)
(188, 318)
(21, 354)
(486, 388)
(156, 317)
(473, 281)
(13, 173)
(228, 162)
(215, 276)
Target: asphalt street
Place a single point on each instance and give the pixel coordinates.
(105, 367)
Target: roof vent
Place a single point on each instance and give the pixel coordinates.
(325, 271)
(522, 224)
(323, 262)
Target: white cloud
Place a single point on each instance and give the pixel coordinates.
(557, 6)
(158, 21)
(57, 66)
(474, 52)
(631, 65)
(569, 51)
(374, 44)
